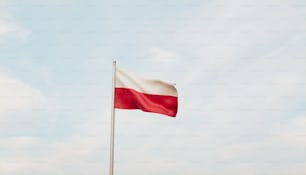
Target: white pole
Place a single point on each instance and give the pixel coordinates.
(111, 160)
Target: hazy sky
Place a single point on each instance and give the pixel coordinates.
(239, 67)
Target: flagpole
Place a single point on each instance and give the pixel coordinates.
(112, 134)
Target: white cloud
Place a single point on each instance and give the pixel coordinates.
(222, 34)
(17, 96)
(81, 153)
(10, 28)
(292, 133)
(162, 55)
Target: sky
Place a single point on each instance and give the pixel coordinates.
(239, 67)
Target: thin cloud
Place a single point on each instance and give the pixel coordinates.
(17, 96)
(10, 28)
(162, 55)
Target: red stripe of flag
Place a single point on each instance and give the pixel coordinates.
(126, 98)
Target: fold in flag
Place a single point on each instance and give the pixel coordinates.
(149, 95)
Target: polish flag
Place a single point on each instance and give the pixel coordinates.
(149, 95)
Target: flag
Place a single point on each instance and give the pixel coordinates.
(149, 95)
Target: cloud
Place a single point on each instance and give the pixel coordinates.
(292, 133)
(222, 34)
(17, 96)
(162, 55)
(10, 28)
(84, 152)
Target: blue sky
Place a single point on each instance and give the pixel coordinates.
(239, 67)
